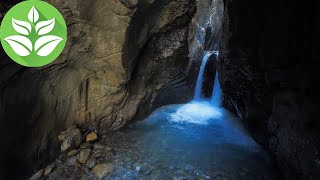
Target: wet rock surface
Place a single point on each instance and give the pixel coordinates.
(102, 170)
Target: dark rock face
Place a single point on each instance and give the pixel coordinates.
(121, 57)
(268, 75)
(204, 35)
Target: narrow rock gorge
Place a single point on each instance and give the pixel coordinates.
(268, 76)
(100, 110)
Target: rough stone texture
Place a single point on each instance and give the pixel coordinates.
(70, 138)
(122, 60)
(84, 155)
(72, 152)
(204, 35)
(102, 170)
(91, 162)
(37, 175)
(205, 29)
(49, 169)
(268, 74)
(91, 137)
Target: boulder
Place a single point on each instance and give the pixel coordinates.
(70, 139)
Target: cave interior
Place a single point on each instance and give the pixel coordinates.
(170, 89)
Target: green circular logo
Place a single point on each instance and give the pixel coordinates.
(33, 33)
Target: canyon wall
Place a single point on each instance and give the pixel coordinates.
(268, 74)
(123, 59)
(204, 35)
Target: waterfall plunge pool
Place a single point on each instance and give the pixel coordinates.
(189, 141)
(197, 140)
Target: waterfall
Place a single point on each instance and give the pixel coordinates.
(198, 90)
(216, 93)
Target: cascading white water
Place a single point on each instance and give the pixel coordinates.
(216, 93)
(198, 90)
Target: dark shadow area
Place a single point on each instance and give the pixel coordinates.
(268, 71)
(21, 124)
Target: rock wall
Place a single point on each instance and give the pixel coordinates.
(123, 58)
(268, 76)
(204, 35)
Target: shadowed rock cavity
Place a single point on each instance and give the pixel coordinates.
(122, 60)
(125, 58)
(268, 76)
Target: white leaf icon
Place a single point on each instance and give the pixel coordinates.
(33, 15)
(44, 27)
(46, 44)
(21, 27)
(20, 44)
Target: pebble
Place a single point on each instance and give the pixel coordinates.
(91, 137)
(98, 146)
(71, 161)
(72, 152)
(84, 155)
(91, 162)
(49, 169)
(102, 170)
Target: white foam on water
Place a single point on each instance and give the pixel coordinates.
(196, 112)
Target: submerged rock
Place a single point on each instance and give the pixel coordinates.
(188, 167)
(137, 166)
(91, 162)
(101, 170)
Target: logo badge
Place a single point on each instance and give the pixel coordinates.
(33, 33)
